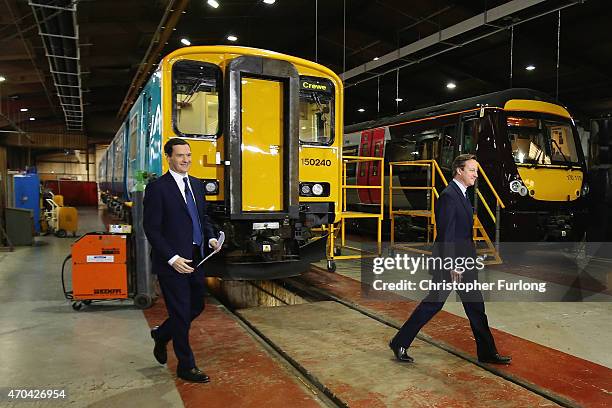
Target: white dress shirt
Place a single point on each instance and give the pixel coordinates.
(461, 186)
(178, 177)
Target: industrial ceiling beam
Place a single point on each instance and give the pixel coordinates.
(60, 38)
(171, 17)
(20, 33)
(443, 36)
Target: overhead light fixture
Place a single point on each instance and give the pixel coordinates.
(232, 38)
(375, 59)
(23, 109)
(360, 110)
(213, 3)
(398, 99)
(32, 119)
(269, 1)
(2, 79)
(185, 41)
(451, 85)
(530, 67)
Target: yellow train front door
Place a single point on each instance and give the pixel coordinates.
(262, 129)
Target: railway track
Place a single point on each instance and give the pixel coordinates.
(298, 291)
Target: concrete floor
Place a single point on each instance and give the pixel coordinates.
(100, 356)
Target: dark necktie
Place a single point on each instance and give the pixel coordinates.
(193, 212)
(469, 202)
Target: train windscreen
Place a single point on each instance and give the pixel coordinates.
(541, 141)
(316, 111)
(196, 86)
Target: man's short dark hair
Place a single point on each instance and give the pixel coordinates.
(175, 141)
(459, 162)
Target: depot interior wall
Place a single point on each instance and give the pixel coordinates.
(71, 166)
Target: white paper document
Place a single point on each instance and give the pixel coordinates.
(220, 242)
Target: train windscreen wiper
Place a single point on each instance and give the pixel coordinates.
(535, 163)
(565, 160)
(317, 100)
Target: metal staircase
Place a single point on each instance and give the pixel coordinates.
(484, 244)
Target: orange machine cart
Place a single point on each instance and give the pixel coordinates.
(99, 268)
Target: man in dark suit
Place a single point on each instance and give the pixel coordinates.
(454, 223)
(176, 225)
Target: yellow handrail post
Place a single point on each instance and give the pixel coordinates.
(391, 216)
(331, 241)
(344, 184)
(342, 233)
(484, 175)
(433, 188)
(382, 204)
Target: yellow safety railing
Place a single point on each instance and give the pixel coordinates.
(430, 213)
(435, 169)
(498, 200)
(344, 215)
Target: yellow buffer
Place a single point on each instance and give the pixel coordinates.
(262, 145)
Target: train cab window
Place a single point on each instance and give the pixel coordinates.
(469, 136)
(316, 111)
(447, 150)
(195, 89)
(428, 144)
(540, 141)
(563, 148)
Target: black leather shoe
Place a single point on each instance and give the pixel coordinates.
(401, 353)
(496, 359)
(159, 351)
(193, 375)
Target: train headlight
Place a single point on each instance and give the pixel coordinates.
(314, 189)
(515, 186)
(523, 191)
(585, 189)
(211, 187)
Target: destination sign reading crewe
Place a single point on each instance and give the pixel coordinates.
(310, 85)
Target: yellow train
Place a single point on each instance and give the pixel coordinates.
(265, 131)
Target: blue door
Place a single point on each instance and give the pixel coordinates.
(27, 195)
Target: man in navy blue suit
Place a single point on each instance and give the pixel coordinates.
(454, 224)
(177, 227)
